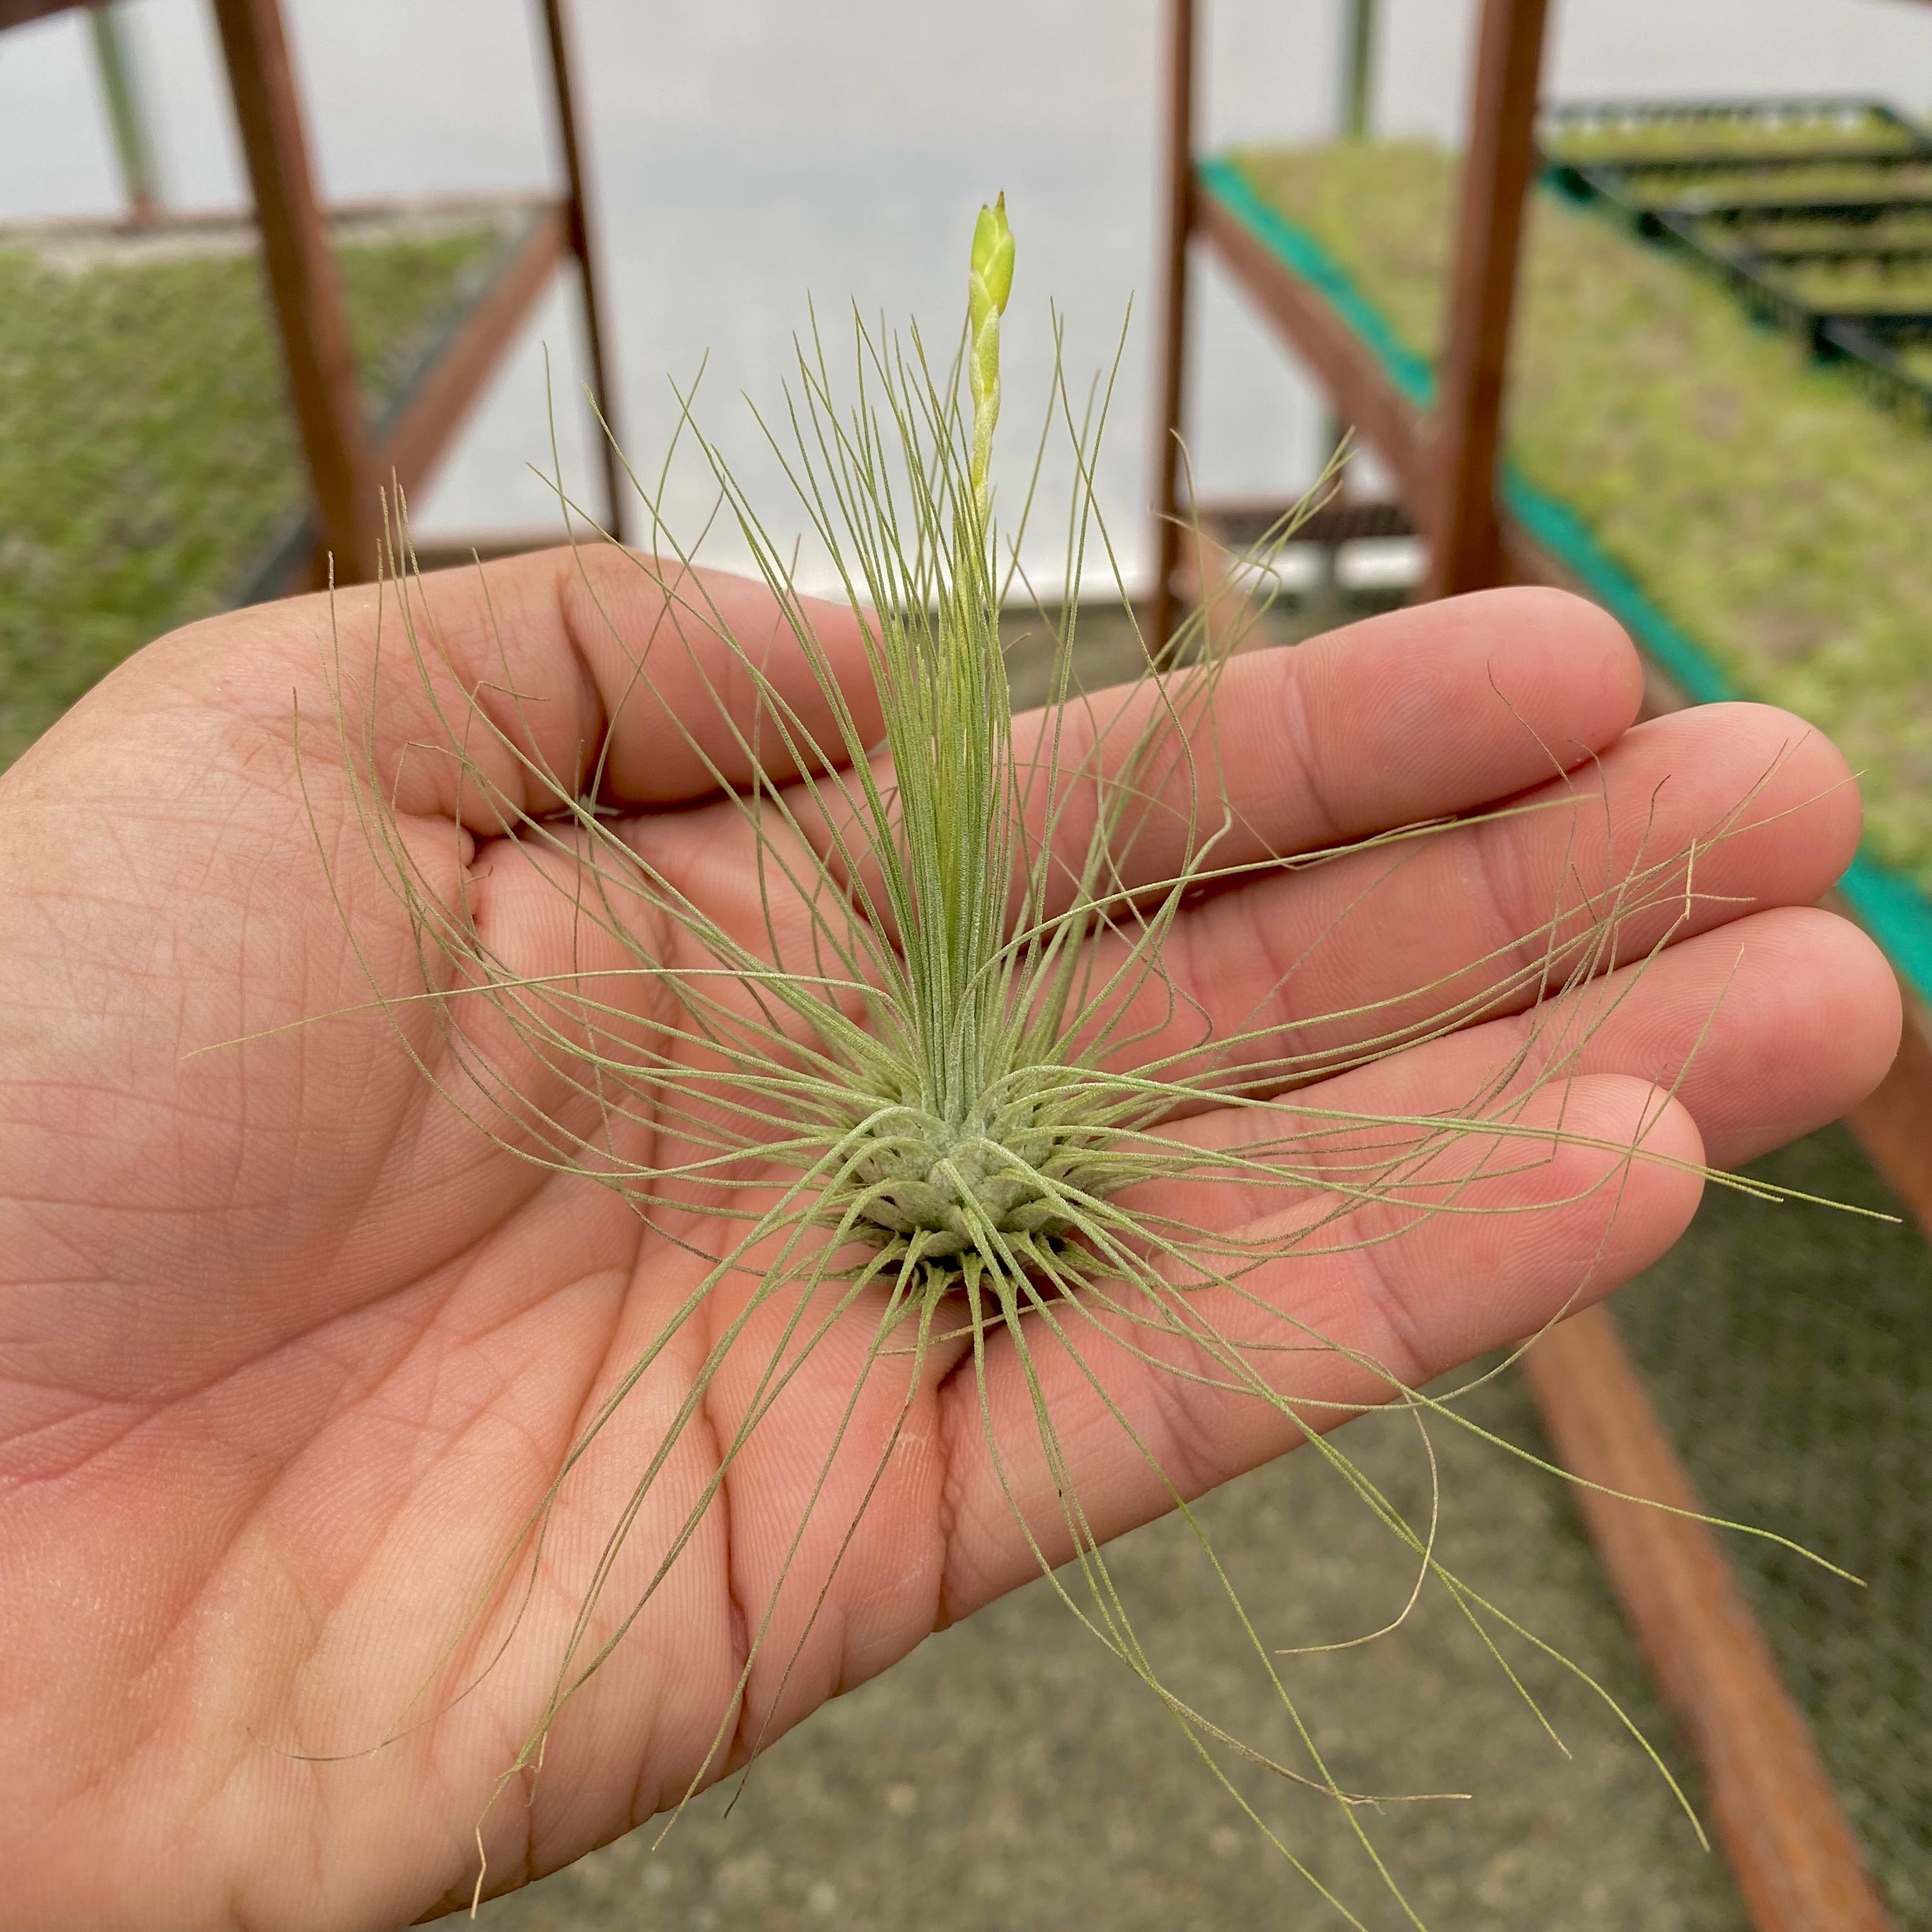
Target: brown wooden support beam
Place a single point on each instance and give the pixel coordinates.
(126, 100)
(304, 288)
(1797, 1861)
(1178, 178)
(1343, 364)
(423, 423)
(577, 205)
(1894, 1122)
(1466, 541)
(458, 552)
(1358, 70)
(450, 389)
(18, 12)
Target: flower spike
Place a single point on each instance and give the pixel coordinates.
(991, 282)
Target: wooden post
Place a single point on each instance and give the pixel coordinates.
(127, 114)
(1180, 180)
(578, 229)
(1355, 114)
(1894, 1122)
(1358, 70)
(18, 12)
(1798, 1862)
(1465, 536)
(304, 288)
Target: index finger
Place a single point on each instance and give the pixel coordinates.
(1418, 714)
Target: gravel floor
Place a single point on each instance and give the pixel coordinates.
(1010, 1773)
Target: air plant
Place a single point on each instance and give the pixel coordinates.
(938, 1099)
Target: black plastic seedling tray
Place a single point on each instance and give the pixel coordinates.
(1890, 355)
(1830, 230)
(1691, 135)
(1891, 237)
(1700, 159)
(1817, 212)
(1790, 281)
(1743, 191)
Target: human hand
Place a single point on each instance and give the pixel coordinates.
(289, 1351)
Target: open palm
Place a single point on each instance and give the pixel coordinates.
(288, 1350)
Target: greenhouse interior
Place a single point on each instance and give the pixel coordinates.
(1433, 301)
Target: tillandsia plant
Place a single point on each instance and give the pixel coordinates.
(929, 1099)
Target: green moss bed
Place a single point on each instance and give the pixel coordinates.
(148, 461)
(1764, 503)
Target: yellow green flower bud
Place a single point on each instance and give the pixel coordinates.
(990, 284)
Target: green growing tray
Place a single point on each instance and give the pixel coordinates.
(149, 472)
(1746, 513)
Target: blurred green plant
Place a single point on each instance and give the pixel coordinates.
(147, 457)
